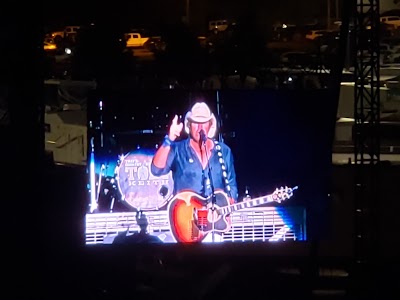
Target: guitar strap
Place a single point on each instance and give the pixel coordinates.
(223, 167)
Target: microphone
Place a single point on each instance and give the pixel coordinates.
(203, 137)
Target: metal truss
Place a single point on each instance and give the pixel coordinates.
(366, 33)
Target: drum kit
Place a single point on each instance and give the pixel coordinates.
(132, 186)
(120, 167)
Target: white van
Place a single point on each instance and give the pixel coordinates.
(69, 31)
(392, 20)
(219, 25)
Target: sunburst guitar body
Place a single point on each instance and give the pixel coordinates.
(192, 216)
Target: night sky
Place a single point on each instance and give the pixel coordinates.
(137, 13)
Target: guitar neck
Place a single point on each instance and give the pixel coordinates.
(245, 204)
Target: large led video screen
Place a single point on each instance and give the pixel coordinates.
(175, 166)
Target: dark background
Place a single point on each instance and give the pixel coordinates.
(151, 13)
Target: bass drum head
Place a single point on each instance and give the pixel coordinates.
(139, 188)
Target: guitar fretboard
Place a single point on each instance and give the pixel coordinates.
(245, 204)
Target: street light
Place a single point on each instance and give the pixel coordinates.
(187, 11)
(329, 5)
(328, 15)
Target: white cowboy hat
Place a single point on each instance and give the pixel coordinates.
(200, 113)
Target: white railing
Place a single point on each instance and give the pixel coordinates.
(252, 224)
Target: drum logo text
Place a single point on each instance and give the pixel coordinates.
(139, 174)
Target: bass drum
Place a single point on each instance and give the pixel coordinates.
(139, 188)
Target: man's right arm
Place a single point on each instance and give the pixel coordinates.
(160, 158)
(161, 155)
(159, 163)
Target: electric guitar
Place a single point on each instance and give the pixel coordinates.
(192, 217)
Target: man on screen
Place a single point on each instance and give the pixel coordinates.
(200, 166)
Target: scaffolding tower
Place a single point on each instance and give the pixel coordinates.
(366, 34)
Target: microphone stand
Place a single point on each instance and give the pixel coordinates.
(213, 196)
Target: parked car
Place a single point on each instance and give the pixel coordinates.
(135, 39)
(391, 20)
(218, 25)
(49, 46)
(155, 44)
(312, 34)
(392, 58)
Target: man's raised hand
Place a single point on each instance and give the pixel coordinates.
(175, 129)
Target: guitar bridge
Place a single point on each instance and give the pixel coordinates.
(202, 220)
